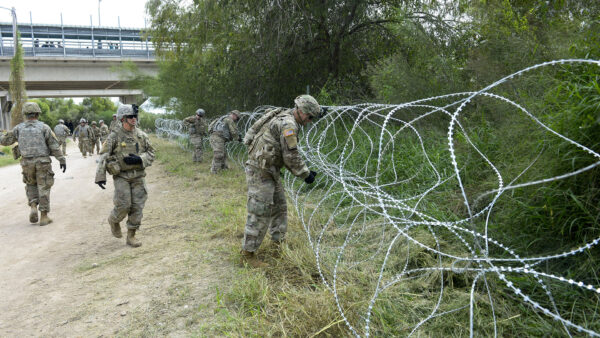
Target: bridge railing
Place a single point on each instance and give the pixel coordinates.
(74, 41)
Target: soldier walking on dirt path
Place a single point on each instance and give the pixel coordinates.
(197, 127)
(103, 131)
(61, 131)
(36, 143)
(272, 144)
(114, 124)
(95, 138)
(222, 130)
(83, 133)
(126, 154)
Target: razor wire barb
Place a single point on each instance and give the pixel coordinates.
(372, 211)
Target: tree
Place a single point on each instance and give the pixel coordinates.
(17, 82)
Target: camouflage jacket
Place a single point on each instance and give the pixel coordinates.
(114, 125)
(36, 140)
(224, 127)
(96, 132)
(61, 131)
(197, 125)
(117, 146)
(104, 130)
(275, 145)
(84, 132)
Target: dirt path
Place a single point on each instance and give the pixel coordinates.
(72, 278)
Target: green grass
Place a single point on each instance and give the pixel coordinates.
(7, 158)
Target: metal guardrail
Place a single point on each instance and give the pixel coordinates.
(76, 41)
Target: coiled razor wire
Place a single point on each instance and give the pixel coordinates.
(363, 216)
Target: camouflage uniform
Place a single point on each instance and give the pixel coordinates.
(114, 124)
(95, 138)
(197, 132)
(130, 186)
(83, 133)
(103, 131)
(273, 147)
(37, 143)
(221, 131)
(61, 131)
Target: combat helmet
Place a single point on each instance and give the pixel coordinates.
(93, 122)
(82, 120)
(125, 110)
(61, 121)
(235, 112)
(101, 121)
(200, 112)
(31, 108)
(308, 105)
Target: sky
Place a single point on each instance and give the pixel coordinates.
(132, 13)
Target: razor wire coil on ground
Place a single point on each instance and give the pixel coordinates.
(363, 215)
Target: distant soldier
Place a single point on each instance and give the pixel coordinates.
(114, 124)
(197, 127)
(103, 131)
(125, 155)
(83, 133)
(272, 144)
(95, 138)
(36, 143)
(61, 131)
(222, 130)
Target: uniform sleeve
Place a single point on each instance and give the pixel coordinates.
(288, 138)
(76, 132)
(189, 119)
(203, 127)
(8, 138)
(53, 145)
(148, 154)
(107, 149)
(67, 130)
(232, 129)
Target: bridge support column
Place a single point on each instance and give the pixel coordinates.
(132, 99)
(5, 113)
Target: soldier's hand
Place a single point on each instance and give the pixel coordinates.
(132, 159)
(101, 184)
(311, 177)
(63, 166)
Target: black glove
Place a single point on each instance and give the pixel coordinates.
(311, 177)
(101, 184)
(63, 166)
(132, 159)
(240, 138)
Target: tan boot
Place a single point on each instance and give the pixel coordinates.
(33, 213)
(115, 228)
(44, 219)
(131, 241)
(249, 258)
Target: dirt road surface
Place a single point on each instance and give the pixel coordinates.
(72, 278)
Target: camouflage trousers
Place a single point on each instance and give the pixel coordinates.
(62, 142)
(85, 146)
(95, 144)
(196, 141)
(267, 208)
(129, 199)
(39, 178)
(219, 153)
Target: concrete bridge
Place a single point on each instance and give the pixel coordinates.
(74, 61)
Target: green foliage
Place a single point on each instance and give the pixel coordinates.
(7, 158)
(17, 82)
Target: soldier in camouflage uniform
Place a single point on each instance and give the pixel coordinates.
(83, 133)
(36, 143)
(95, 138)
(103, 131)
(61, 131)
(272, 144)
(222, 130)
(125, 154)
(114, 124)
(197, 127)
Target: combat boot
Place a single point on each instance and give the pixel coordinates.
(249, 258)
(45, 220)
(131, 241)
(33, 213)
(115, 228)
